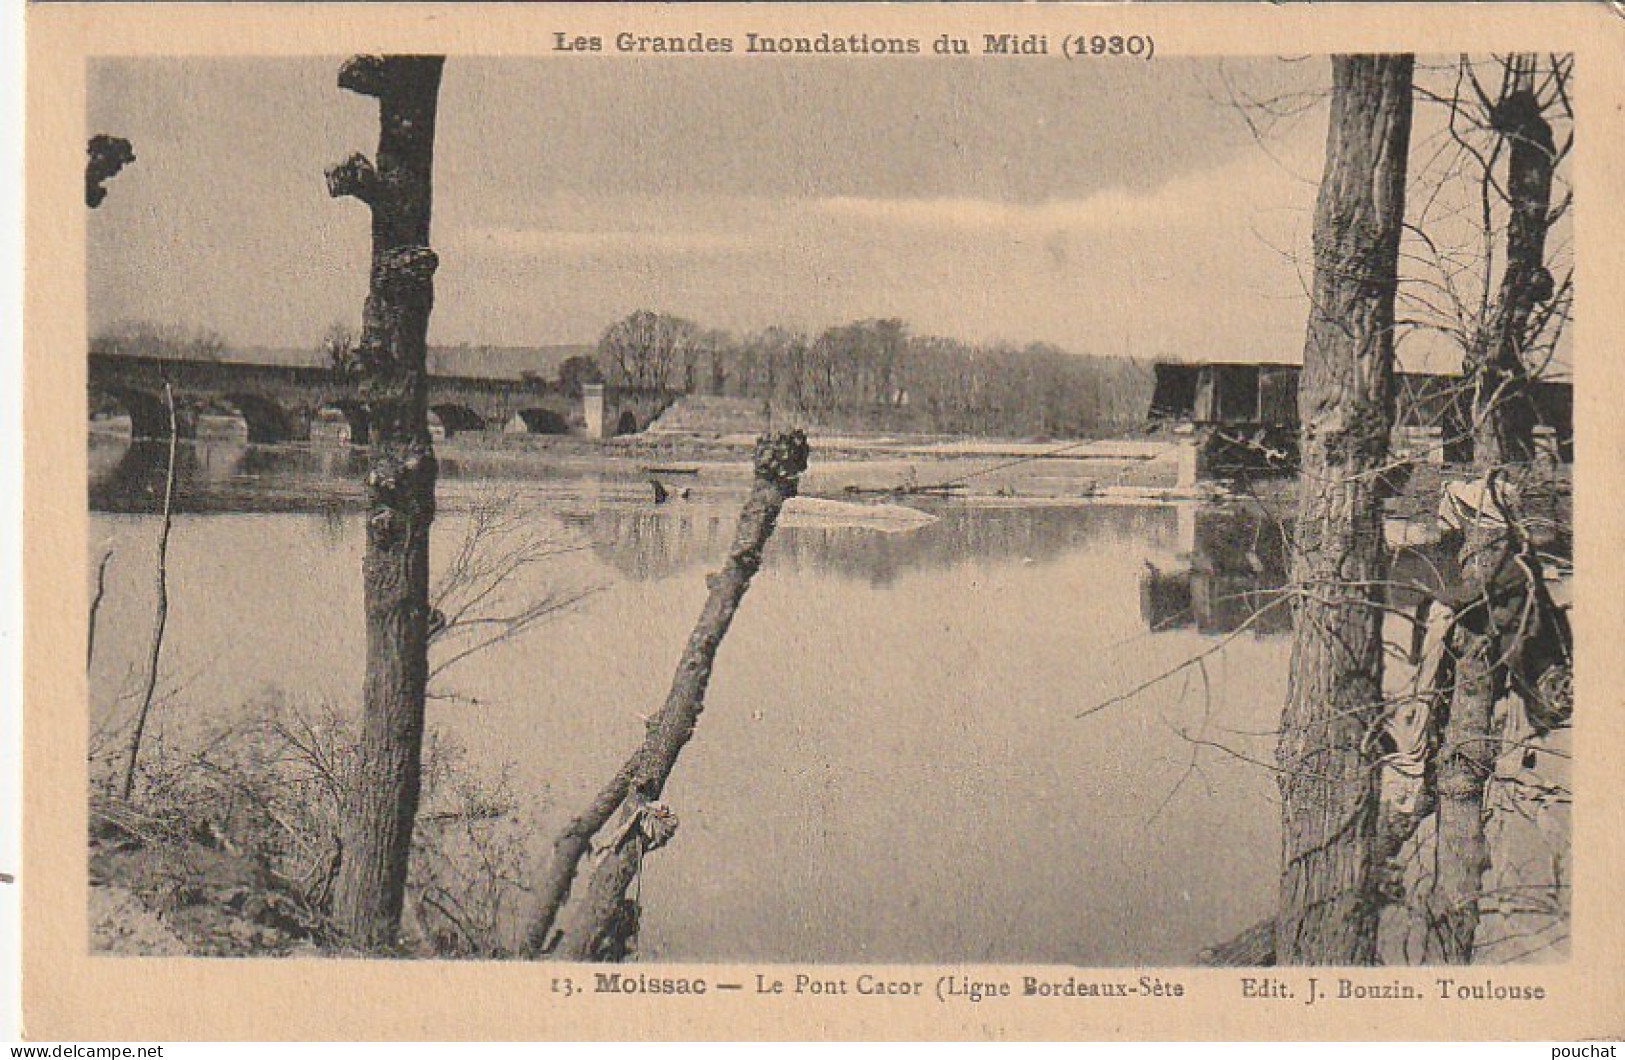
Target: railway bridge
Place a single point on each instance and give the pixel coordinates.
(1247, 414)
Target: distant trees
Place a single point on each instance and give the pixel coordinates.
(648, 349)
(710, 365)
(856, 366)
(142, 338)
(771, 364)
(576, 372)
(1035, 389)
(876, 374)
(338, 349)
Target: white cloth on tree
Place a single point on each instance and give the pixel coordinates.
(1409, 722)
(1463, 504)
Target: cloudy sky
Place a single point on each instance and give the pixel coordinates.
(1109, 209)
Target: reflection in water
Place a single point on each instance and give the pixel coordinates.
(628, 533)
(215, 475)
(1233, 560)
(655, 543)
(1237, 565)
(223, 476)
(1231, 575)
(1036, 535)
(131, 478)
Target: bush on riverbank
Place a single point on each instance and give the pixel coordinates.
(231, 843)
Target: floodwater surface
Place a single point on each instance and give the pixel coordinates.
(910, 750)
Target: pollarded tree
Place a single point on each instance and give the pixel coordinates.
(1328, 905)
(1484, 265)
(1506, 635)
(392, 354)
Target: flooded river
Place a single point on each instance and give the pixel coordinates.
(901, 757)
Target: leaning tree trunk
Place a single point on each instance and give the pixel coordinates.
(1503, 450)
(382, 802)
(1328, 904)
(601, 923)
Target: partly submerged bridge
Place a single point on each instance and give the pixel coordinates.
(1254, 407)
(280, 403)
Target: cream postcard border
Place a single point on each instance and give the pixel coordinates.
(68, 994)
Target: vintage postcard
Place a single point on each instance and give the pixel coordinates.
(829, 520)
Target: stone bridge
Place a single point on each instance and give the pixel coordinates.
(280, 403)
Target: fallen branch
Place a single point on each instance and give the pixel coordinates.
(600, 925)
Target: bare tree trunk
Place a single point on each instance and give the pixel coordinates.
(382, 804)
(1504, 413)
(601, 923)
(1328, 903)
(160, 609)
(1504, 449)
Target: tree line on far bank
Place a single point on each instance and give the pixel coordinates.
(876, 374)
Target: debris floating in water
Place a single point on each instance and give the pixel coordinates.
(945, 489)
(886, 518)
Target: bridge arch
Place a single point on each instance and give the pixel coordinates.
(267, 421)
(628, 423)
(149, 416)
(541, 421)
(457, 418)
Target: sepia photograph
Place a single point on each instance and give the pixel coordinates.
(826, 507)
(425, 495)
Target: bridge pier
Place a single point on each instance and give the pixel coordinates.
(357, 422)
(186, 417)
(593, 411)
